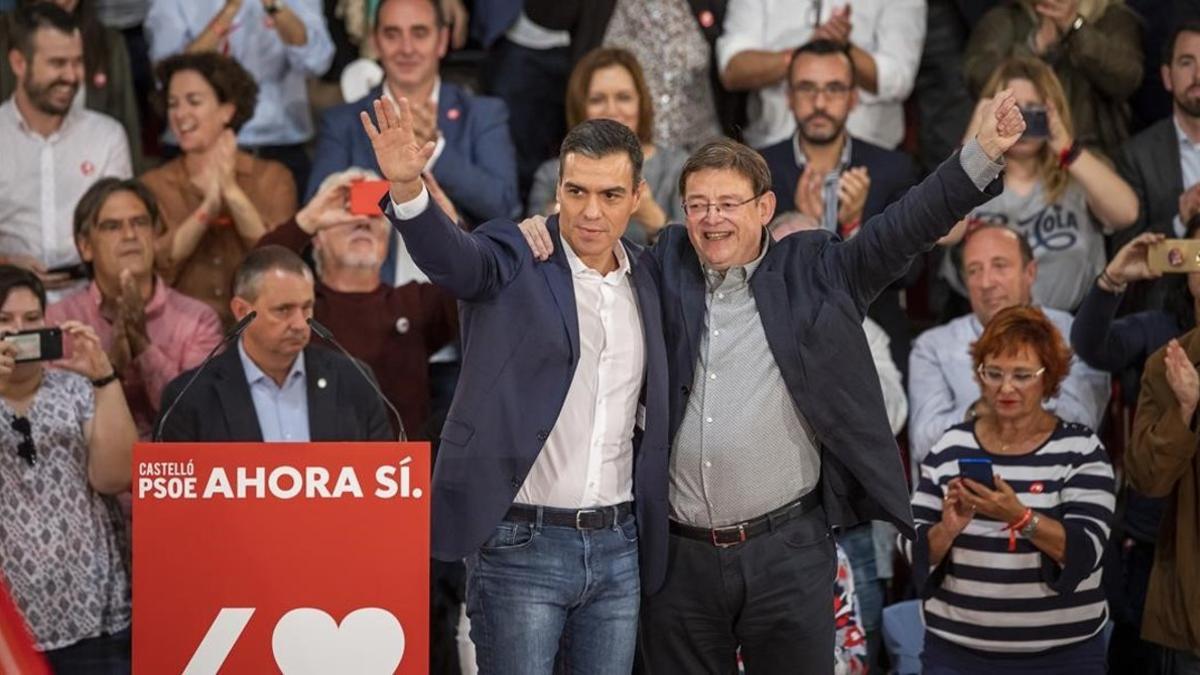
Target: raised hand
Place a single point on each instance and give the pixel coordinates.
(956, 512)
(328, 208)
(1131, 263)
(1183, 379)
(853, 187)
(400, 157)
(1001, 125)
(87, 356)
(132, 310)
(8, 359)
(808, 198)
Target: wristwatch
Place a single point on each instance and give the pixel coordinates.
(106, 380)
(273, 6)
(1031, 526)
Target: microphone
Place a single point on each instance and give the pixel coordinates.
(327, 335)
(230, 335)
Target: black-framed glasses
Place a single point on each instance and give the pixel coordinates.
(25, 449)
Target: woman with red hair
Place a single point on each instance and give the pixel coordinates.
(1010, 572)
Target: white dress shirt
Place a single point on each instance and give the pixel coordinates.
(891, 31)
(46, 175)
(587, 460)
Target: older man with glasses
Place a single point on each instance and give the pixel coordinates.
(151, 332)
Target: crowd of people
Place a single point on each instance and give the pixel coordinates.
(843, 312)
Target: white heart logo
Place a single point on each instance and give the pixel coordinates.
(307, 641)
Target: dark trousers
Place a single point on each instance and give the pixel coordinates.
(104, 655)
(770, 597)
(532, 82)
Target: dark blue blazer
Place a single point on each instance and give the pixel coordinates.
(812, 290)
(520, 346)
(892, 174)
(477, 168)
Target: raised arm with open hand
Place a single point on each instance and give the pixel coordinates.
(400, 158)
(1001, 125)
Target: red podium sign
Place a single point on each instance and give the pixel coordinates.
(281, 558)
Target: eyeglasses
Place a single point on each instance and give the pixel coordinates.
(697, 209)
(808, 91)
(113, 225)
(994, 377)
(25, 449)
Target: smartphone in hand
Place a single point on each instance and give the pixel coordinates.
(40, 344)
(979, 470)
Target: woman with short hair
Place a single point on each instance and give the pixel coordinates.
(216, 200)
(1010, 573)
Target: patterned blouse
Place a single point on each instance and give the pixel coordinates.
(60, 549)
(676, 59)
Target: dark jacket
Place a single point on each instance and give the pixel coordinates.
(477, 167)
(812, 291)
(1150, 163)
(218, 408)
(520, 347)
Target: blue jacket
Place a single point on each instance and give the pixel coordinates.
(520, 346)
(477, 167)
(812, 291)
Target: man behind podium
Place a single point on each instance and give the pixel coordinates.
(271, 384)
(547, 443)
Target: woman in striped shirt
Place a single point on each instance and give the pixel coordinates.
(1010, 574)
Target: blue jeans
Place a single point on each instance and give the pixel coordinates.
(545, 599)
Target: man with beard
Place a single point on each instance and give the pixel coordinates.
(1162, 163)
(57, 150)
(836, 180)
(271, 384)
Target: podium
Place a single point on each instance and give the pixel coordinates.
(292, 558)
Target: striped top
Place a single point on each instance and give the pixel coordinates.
(985, 598)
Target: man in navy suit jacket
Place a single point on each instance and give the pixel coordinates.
(474, 160)
(778, 423)
(552, 473)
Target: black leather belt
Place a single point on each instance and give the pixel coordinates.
(732, 535)
(597, 518)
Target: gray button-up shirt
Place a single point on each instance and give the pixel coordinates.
(743, 449)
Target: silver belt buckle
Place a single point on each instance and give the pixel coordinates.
(580, 512)
(741, 530)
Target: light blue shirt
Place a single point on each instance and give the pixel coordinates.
(282, 411)
(1189, 164)
(942, 385)
(282, 115)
